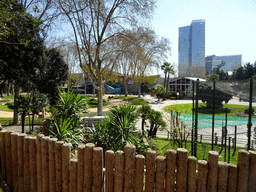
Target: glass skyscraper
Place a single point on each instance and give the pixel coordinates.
(192, 45)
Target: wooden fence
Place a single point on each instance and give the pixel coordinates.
(44, 164)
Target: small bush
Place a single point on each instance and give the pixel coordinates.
(10, 105)
(181, 96)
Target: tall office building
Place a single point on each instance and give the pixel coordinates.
(192, 45)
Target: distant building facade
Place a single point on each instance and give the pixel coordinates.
(225, 63)
(183, 85)
(192, 45)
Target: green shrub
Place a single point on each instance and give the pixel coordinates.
(118, 130)
(181, 96)
(10, 105)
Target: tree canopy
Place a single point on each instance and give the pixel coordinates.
(96, 24)
(31, 65)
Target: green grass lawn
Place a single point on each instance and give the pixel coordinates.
(187, 108)
(7, 121)
(5, 108)
(202, 149)
(9, 97)
(132, 100)
(92, 102)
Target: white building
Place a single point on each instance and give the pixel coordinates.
(183, 85)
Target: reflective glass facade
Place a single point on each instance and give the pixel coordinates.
(192, 44)
(225, 63)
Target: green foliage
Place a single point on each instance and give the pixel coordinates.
(118, 130)
(65, 132)
(205, 93)
(92, 102)
(144, 111)
(202, 149)
(53, 71)
(246, 71)
(187, 108)
(160, 91)
(10, 105)
(69, 106)
(66, 117)
(156, 121)
(214, 77)
(133, 100)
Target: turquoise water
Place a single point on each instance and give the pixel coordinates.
(205, 121)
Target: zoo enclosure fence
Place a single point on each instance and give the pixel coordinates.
(44, 164)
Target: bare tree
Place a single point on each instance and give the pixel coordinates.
(192, 71)
(150, 52)
(96, 23)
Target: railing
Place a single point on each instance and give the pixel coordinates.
(44, 164)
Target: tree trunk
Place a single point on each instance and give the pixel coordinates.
(100, 99)
(167, 83)
(23, 122)
(8, 89)
(139, 88)
(164, 78)
(16, 107)
(33, 117)
(142, 125)
(125, 86)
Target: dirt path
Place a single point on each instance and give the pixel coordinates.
(113, 103)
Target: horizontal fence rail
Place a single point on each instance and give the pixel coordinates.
(44, 164)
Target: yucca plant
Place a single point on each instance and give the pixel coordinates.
(69, 106)
(144, 113)
(118, 130)
(64, 132)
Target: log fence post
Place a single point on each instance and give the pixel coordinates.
(119, 171)
(58, 165)
(181, 178)
(192, 174)
(170, 170)
(88, 167)
(14, 144)
(222, 176)
(252, 172)
(232, 177)
(139, 172)
(202, 175)
(27, 181)
(243, 170)
(45, 163)
(97, 184)
(129, 167)
(73, 176)
(80, 167)
(33, 164)
(160, 173)
(52, 165)
(150, 170)
(21, 139)
(39, 162)
(109, 173)
(212, 179)
(66, 156)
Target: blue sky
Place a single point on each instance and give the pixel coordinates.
(230, 26)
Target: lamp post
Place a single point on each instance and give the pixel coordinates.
(178, 95)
